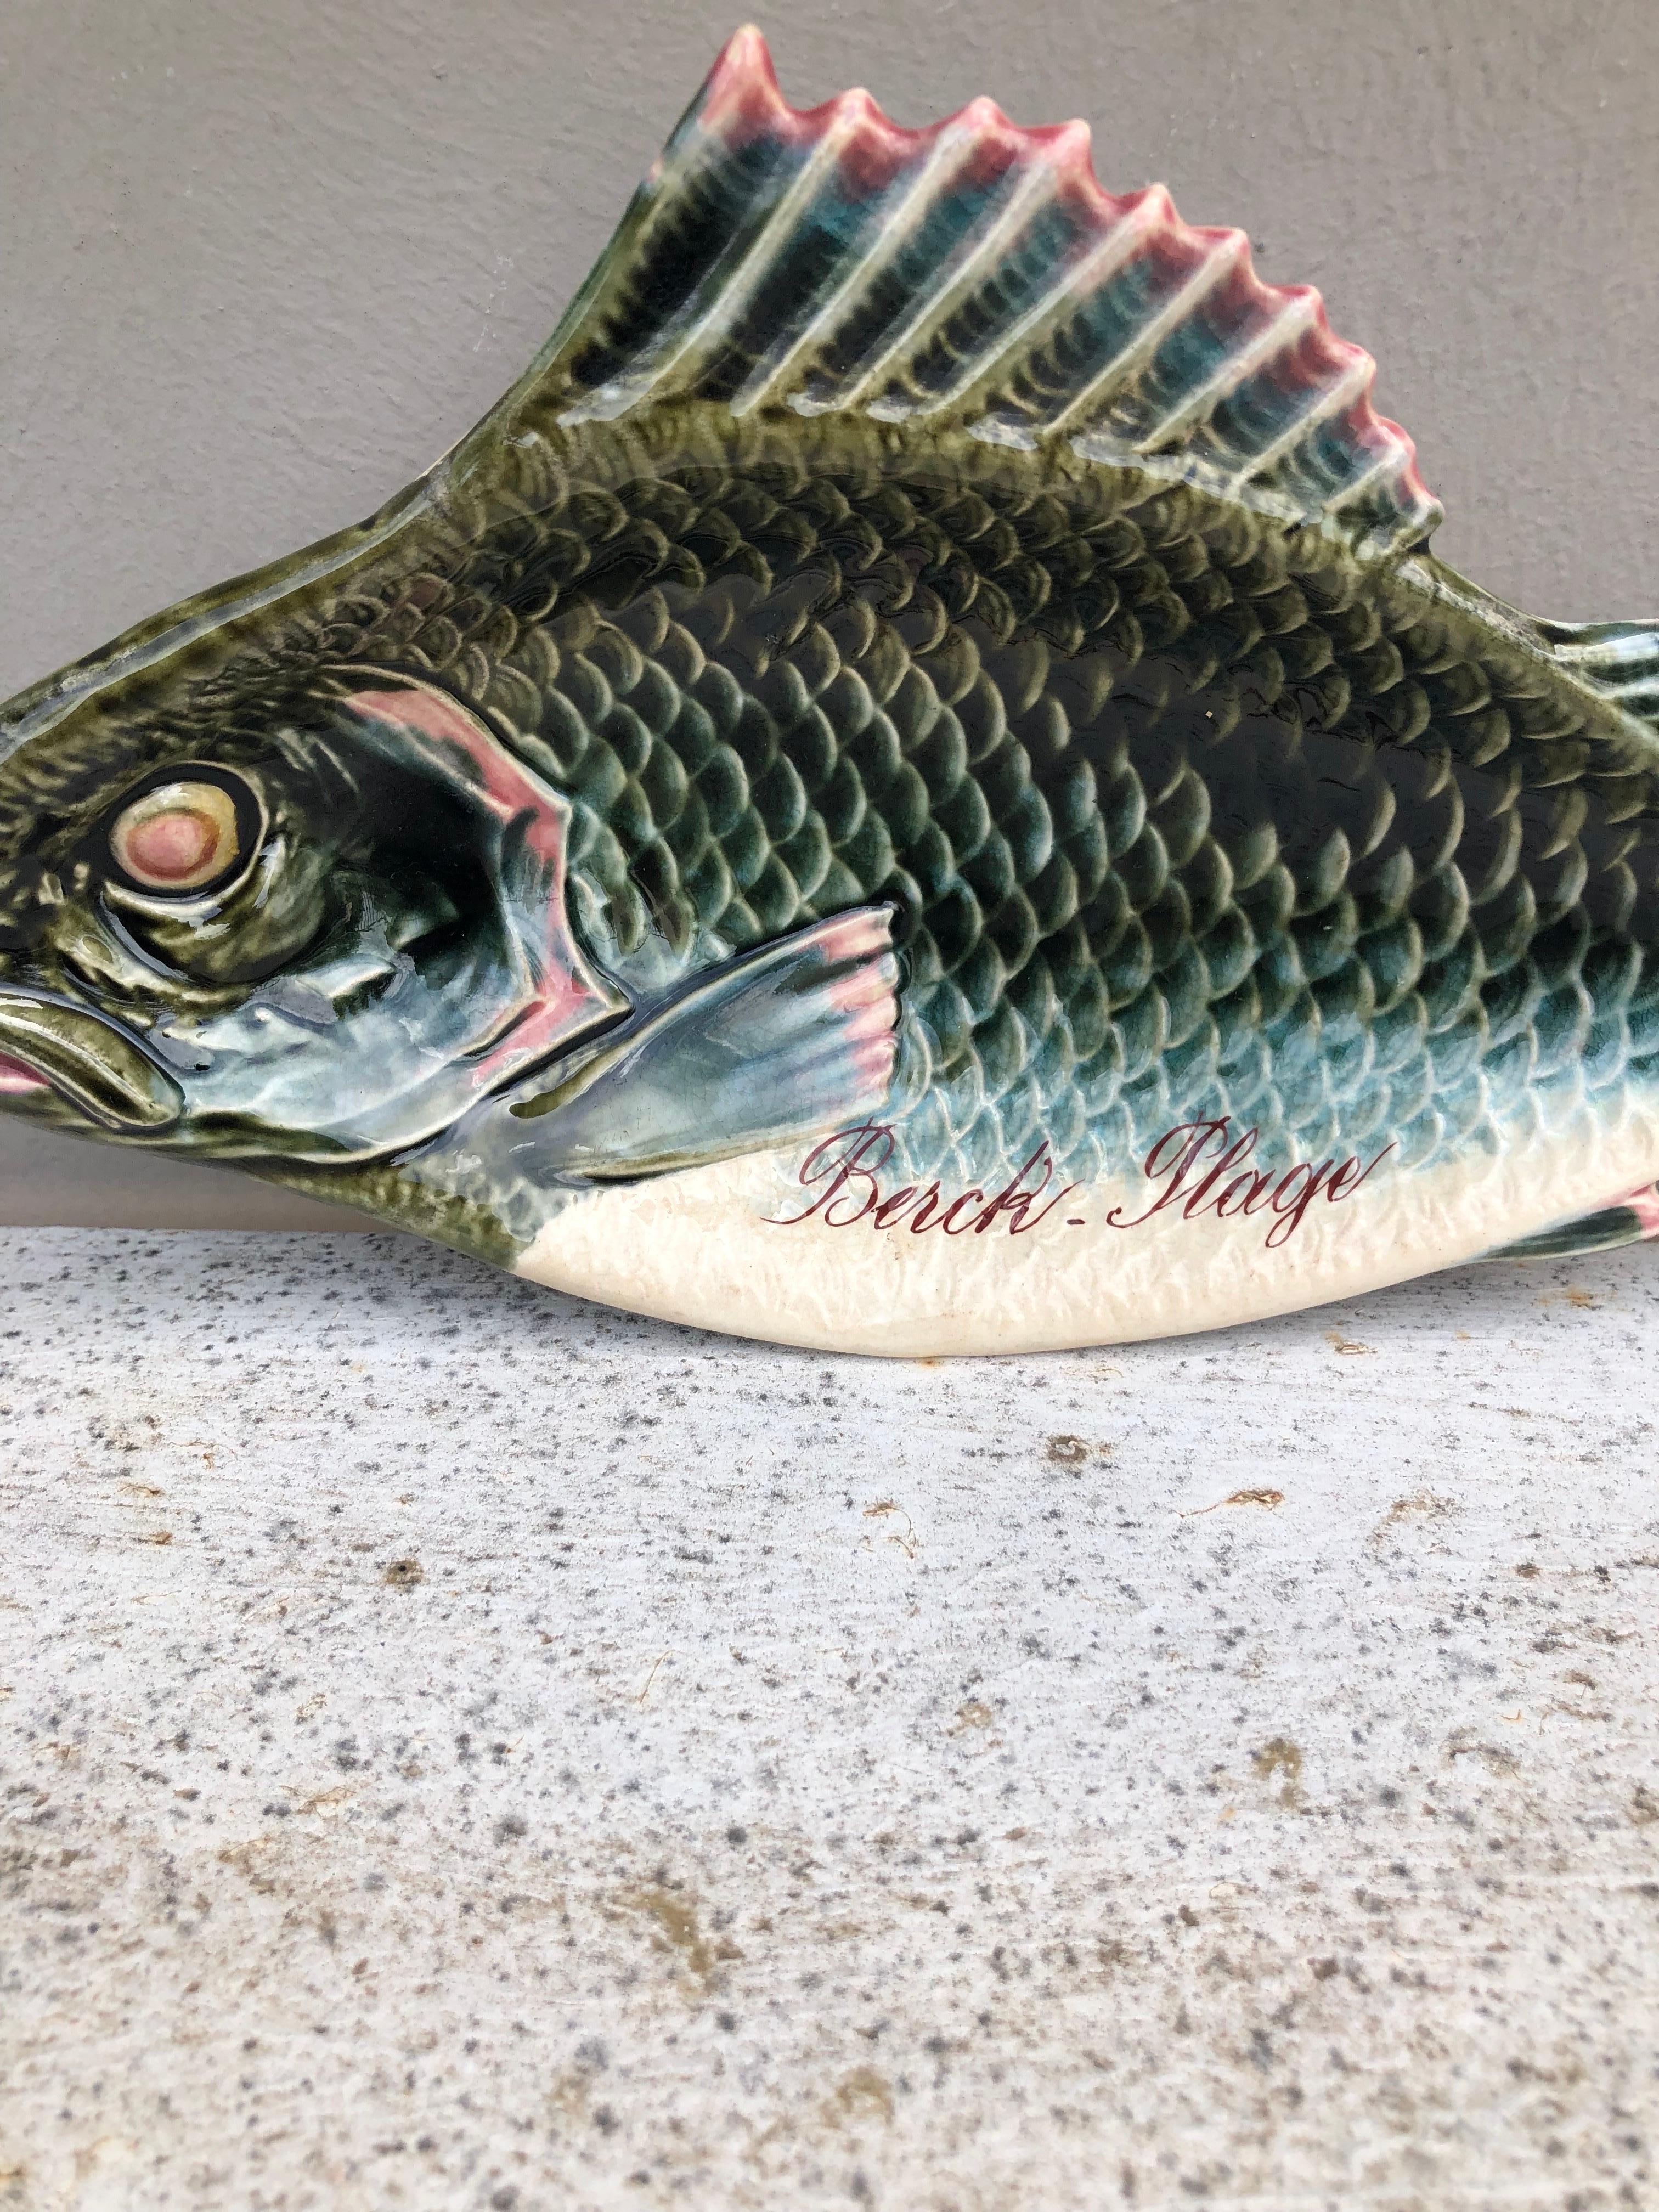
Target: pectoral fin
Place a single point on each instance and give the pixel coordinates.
(776, 1045)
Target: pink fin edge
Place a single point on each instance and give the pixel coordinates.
(741, 98)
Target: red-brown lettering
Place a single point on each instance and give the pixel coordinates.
(1197, 1164)
(1186, 1161)
(848, 1171)
(927, 1211)
(1346, 1169)
(1016, 1201)
(1291, 1210)
(948, 1221)
(1174, 1154)
(892, 1209)
(1239, 1150)
(1255, 1185)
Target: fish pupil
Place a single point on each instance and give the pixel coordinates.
(170, 847)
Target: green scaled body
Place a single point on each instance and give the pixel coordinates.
(946, 715)
(1185, 813)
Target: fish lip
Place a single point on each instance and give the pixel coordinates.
(93, 1064)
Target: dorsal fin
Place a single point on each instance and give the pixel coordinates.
(974, 273)
(1620, 660)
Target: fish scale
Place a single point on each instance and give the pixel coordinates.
(1184, 818)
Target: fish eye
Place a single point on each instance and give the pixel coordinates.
(184, 835)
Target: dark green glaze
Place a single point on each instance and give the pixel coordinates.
(1184, 813)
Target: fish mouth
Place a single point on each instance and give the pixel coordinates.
(91, 1064)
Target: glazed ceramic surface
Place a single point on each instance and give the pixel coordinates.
(914, 787)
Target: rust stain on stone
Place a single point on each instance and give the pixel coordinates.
(1424, 1505)
(862, 2094)
(1491, 1756)
(1280, 1756)
(975, 1714)
(1270, 1498)
(677, 1931)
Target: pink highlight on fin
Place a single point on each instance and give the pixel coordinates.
(868, 994)
(870, 1019)
(873, 1064)
(875, 984)
(740, 96)
(862, 1070)
(856, 933)
(861, 1046)
(1645, 1205)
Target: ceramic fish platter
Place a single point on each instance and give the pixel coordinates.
(913, 787)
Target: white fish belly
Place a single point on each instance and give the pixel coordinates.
(725, 1248)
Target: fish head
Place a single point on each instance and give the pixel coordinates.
(310, 918)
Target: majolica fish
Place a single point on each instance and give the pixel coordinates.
(913, 787)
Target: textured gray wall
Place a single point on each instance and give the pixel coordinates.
(259, 265)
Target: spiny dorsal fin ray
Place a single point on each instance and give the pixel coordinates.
(827, 259)
(1620, 660)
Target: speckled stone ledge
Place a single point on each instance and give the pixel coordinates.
(464, 1748)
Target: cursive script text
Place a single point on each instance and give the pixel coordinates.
(1203, 1168)
(844, 1168)
(1226, 1187)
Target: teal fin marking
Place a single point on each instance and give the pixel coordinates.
(1604, 1230)
(976, 274)
(785, 1043)
(1620, 660)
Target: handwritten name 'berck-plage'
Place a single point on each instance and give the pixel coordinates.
(1201, 1164)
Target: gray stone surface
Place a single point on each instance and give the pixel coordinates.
(461, 1748)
